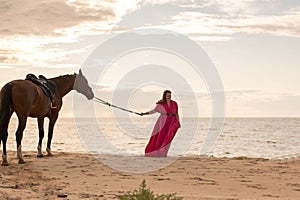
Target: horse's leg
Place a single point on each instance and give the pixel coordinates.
(19, 136)
(4, 139)
(52, 122)
(5, 114)
(41, 136)
(4, 156)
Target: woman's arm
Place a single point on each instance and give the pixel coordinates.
(177, 116)
(149, 112)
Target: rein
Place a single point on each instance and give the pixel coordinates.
(96, 99)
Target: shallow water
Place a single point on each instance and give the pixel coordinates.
(249, 137)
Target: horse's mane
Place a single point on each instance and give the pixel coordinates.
(62, 76)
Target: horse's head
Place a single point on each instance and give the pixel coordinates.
(81, 85)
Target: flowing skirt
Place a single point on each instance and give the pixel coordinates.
(162, 135)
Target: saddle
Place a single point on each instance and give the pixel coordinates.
(48, 87)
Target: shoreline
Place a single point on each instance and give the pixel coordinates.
(80, 175)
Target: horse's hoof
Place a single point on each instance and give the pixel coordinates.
(4, 163)
(21, 161)
(49, 154)
(40, 156)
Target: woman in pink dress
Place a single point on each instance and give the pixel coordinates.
(165, 128)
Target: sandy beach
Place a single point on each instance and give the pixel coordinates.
(81, 176)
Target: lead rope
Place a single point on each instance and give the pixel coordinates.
(96, 99)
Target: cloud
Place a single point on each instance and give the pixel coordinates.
(197, 23)
(264, 103)
(233, 6)
(43, 17)
(164, 2)
(219, 20)
(8, 57)
(260, 95)
(38, 51)
(27, 27)
(287, 24)
(84, 17)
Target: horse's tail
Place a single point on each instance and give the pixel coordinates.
(5, 104)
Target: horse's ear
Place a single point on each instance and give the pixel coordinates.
(80, 72)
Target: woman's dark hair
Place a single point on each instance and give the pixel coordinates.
(163, 100)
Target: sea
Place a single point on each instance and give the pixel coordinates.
(269, 138)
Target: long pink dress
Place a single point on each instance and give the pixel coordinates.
(164, 130)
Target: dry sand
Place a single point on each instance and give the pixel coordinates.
(81, 176)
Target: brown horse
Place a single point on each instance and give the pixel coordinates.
(28, 100)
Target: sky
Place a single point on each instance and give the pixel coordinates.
(254, 45)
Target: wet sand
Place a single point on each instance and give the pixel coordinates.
(81, 176)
